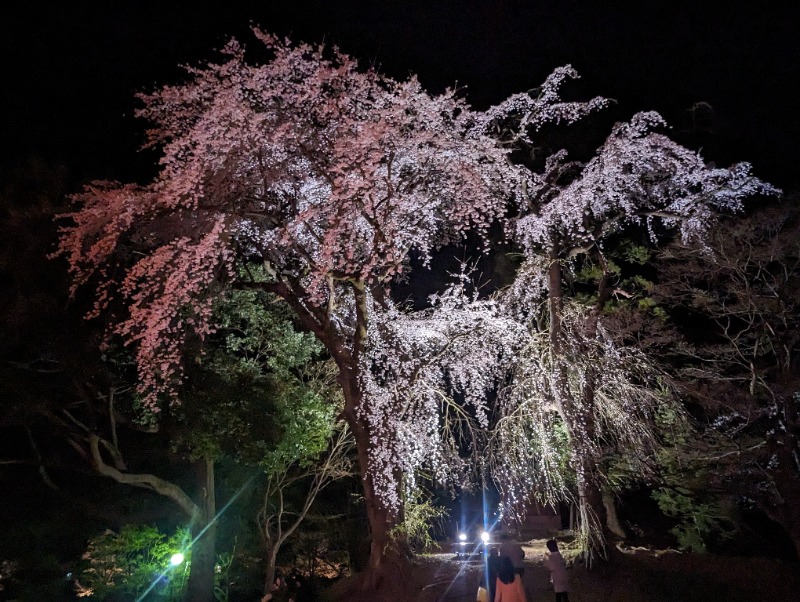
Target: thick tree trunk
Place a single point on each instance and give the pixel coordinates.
(612, 519)
(269, 569)
(596, 520)
(388, 555)
(204, 534)
(579, 420)
(554, 302)
(592, 518)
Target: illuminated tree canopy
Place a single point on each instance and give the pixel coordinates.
(318, 181)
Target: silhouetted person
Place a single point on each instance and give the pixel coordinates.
(511, 548)
(509, 583)
(558, 571)
(492, 567)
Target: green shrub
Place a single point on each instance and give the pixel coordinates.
(132, 563)
(699, 520)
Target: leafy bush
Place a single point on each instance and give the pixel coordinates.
(420, 516)
(700, 521)
(125, 565)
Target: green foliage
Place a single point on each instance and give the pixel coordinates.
(635, 253)
(592, 272)
(256, 393)
(259, 393)
(701, 518)
(259, 338)
(222, 575)
(649, 305)
(264, 351)
(124, 565)
(625, 266)
(307, 429)
(421, 517)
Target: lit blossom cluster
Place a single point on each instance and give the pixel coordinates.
(415, 366)
(163, 312)
(323, 172)
(576, 397)
(548, 426)
(638, 176)
(519, 116)
(348, 169)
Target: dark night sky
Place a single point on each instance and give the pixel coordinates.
(70, 74)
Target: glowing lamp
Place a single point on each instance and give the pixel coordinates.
(176, 559)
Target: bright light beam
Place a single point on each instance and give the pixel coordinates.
(191, 543)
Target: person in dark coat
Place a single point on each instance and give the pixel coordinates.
(492, 566)
(511, 548)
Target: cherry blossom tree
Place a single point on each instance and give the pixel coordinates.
(605, 396)
(430, 377)
(320, 182)
(306, 177)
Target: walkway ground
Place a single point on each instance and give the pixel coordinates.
(636, 574)
(457, 581)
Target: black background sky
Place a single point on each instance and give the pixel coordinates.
(71, 69)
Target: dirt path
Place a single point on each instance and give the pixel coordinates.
(636, 574)
(537, 577)
(457, 581)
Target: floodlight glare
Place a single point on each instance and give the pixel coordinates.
(176, 559)
(485, 537)
(462, 536)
